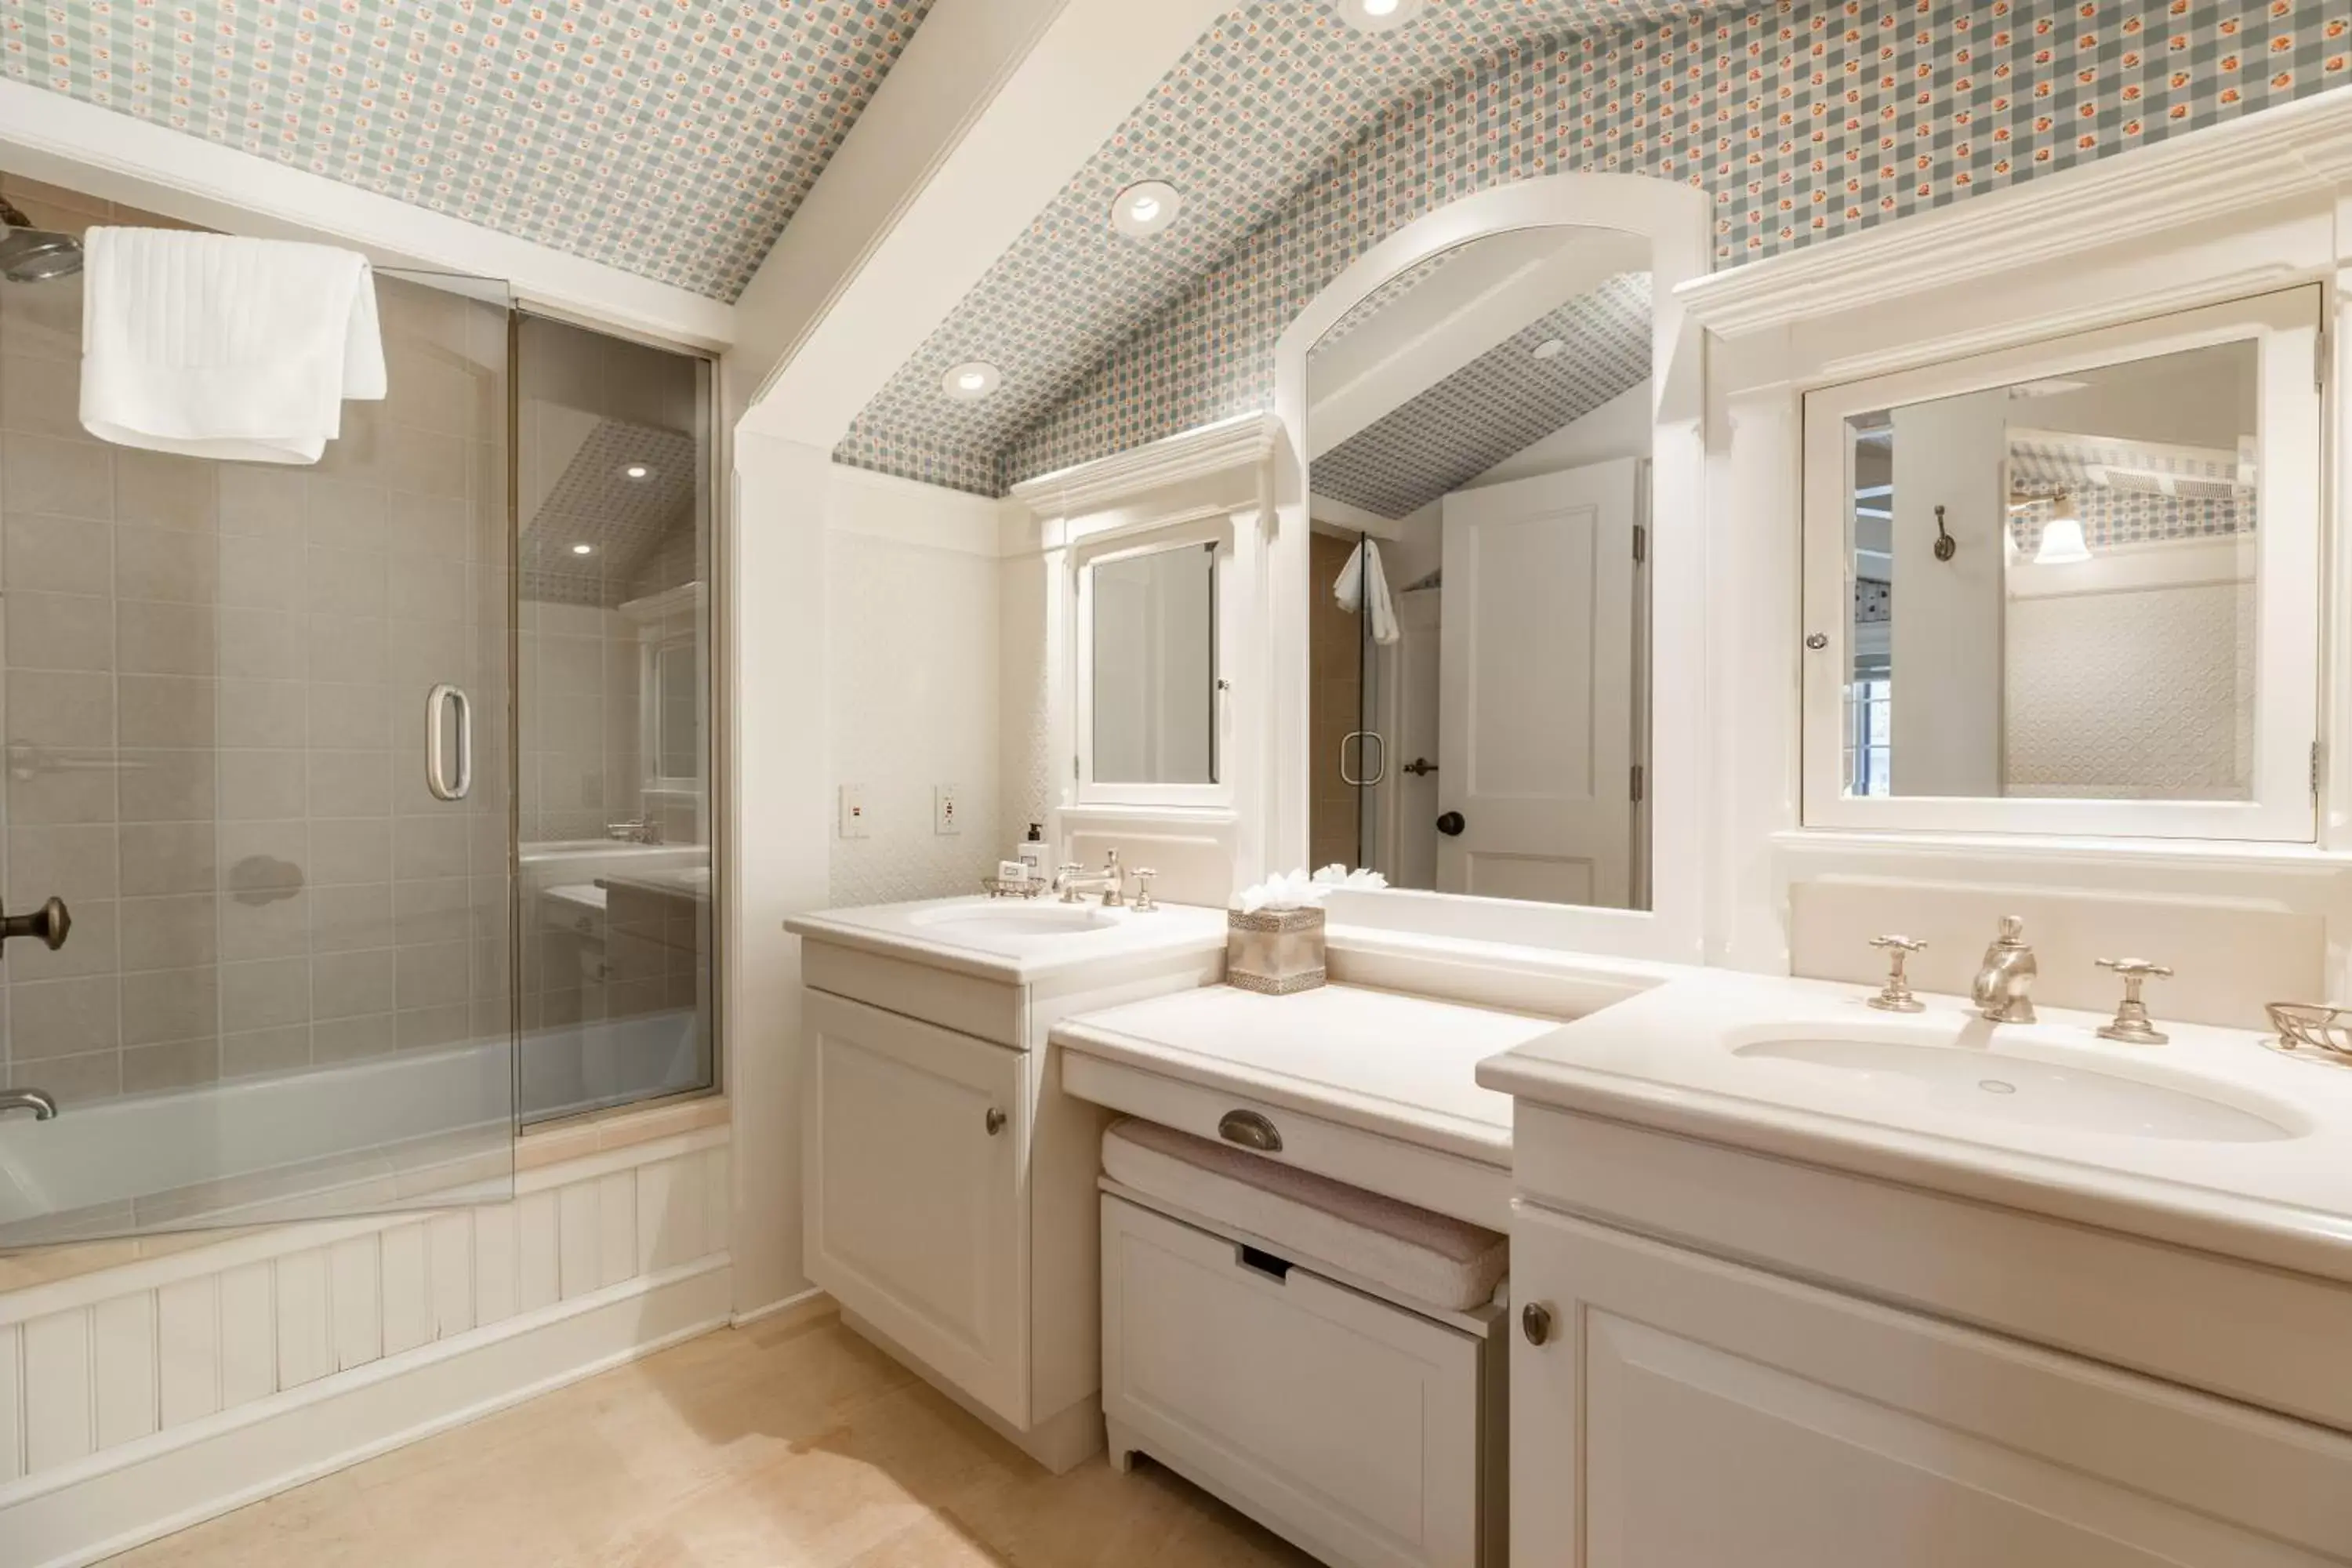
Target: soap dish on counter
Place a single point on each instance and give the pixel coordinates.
(2313, 1031)
(1005, 888)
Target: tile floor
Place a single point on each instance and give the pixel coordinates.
(784, 1447)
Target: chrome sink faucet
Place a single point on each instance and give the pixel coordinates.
(2003, 991)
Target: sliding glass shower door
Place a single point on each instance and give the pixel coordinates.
(257, 729)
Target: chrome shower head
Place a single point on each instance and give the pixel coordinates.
(29, 255)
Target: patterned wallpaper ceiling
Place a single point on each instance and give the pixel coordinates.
(669, 138)
(1499, 404)
(1246, 120)
(1298, 143)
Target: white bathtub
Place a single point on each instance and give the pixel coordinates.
(418, 1127)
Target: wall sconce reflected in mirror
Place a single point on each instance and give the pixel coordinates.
(2063, 544)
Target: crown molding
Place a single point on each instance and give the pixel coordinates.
(2299, 149)
(1209, 450)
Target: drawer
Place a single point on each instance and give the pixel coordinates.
(1349, 1424)
(1391, 1166)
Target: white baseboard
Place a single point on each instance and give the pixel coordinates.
(786, 1312)
(122, 1497)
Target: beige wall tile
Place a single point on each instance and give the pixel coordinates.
(177, 933)
(346, 1039)
(63, 1018)
(167, 710)
(178, 1064)
(58, 631)
(251, 928)
(257, 786)
(71, 862)
(55, 708)
(352, 918)
(265, 1051)
(265, 993)
(46, 474)
(170, 565)
(165, 785)
(165, 639)
(353, 851)
(350, 984)
(57, 554)
(168, 858)
(262, 502)
(264, 713)
(166, 491)
(167, 1005)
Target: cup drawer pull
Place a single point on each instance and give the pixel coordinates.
(1250, 1131)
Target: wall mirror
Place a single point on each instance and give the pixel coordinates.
(1148, 683)
(1478, 432)
(2072, 588)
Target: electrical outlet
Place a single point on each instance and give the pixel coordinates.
(853, 811)
(943, 810)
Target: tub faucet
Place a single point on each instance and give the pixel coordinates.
(2003, 991)
(43, 1108)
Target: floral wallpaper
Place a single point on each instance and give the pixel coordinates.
(1801, 119)
(669, 138)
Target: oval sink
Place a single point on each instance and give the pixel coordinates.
(2025, 1092)
(1014, 920)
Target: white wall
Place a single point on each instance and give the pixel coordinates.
(911, 639)
(1947, 624)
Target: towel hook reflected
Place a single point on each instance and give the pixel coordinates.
(1946, 545)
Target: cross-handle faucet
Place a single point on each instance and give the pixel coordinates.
(2003, 991)
(43, 1108)
(1073, 883)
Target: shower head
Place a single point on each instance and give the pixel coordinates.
(29, 255)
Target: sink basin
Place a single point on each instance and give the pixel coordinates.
(1014, 920)
(1953, 1080)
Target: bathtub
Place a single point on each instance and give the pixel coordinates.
(418, 1129)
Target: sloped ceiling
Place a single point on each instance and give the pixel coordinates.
(672, 138)
(1499, 404)
(1242, 124)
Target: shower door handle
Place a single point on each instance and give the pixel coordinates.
(442, 704)
(1363, 738)
(51, 923)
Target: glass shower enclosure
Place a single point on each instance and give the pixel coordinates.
(256, 751)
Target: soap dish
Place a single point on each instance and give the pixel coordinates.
(2326, 1030)
(1002, 887)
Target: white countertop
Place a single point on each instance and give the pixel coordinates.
(927, 932)
(1671, 1059)
(1402, 1065)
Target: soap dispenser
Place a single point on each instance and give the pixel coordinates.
(1032, 851)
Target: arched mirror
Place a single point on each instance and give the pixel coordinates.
(1477, 437)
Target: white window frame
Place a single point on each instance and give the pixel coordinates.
(1214, 531)
(2285, 325)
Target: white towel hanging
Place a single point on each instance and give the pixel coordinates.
(1363, 588)
(214, 345)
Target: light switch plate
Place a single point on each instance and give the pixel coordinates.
(944, 819)
(853, 811)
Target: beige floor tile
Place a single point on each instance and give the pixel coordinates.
(785, 1447)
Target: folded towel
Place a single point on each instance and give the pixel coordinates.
(1363, 587)
(218, 346)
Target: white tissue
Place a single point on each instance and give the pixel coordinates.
(1300, 889)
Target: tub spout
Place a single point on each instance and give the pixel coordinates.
(43, 1108)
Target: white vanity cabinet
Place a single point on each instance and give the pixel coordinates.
(1692, 1403)
(916, 1211)
(948, 1182)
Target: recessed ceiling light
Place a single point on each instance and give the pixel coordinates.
(636, 471)
(1550, 348)
(972, 380)
(1376, 16)
(1145, 208)
(584, 549)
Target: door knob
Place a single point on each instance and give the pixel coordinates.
(1452, 824)
(993, 1122)
(50, 922)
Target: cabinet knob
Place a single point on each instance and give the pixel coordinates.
(995, 1121)
(1535, 1321)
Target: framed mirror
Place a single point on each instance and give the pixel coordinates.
(1148, 649)
(1478, 434)
(2072, 588)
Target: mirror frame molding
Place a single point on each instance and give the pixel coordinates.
(2282, 803)
(1214, 530)
(1677, 221)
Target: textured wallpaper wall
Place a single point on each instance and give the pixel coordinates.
(672, 139)
(1802, 120)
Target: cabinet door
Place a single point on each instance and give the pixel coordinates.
(1685, 1412)
(916, 1207)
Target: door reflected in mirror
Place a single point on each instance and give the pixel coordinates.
(1153, 666)
(1479, 436)
(2054, 585)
